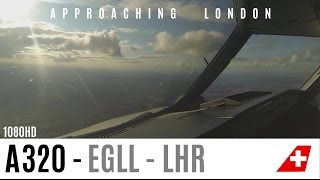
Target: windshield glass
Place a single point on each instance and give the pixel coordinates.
(62, 71)
(269, 63)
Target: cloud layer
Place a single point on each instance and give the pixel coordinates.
(53, 41)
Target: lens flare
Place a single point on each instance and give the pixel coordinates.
(16, 10)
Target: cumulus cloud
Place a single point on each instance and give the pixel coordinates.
(103, 42)
(52, 39)
(198, 42)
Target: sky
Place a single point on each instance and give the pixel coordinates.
(28, 33)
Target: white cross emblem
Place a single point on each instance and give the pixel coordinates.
(298, 159)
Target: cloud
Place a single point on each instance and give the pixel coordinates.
(127, 30)
(103, 42)
(198, 42)
(129, 46)
(299, 56)
(107, 8)
(305, 55)
(13, 41)
(52, 40)
(152, 57)
(65, 58)
(299, 59)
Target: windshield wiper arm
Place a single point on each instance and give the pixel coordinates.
(229, 50)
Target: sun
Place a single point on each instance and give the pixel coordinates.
(16, 10)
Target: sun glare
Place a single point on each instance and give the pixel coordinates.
(16, 10)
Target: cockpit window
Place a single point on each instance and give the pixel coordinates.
(269, 63)
(61, 73)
